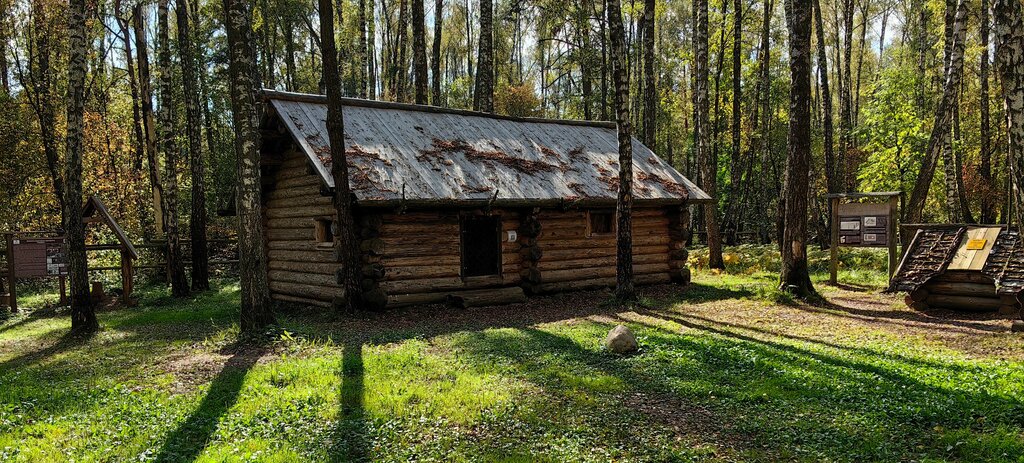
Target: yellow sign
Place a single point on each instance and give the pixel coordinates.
(976, 245)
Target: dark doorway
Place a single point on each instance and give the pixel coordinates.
(481, 245)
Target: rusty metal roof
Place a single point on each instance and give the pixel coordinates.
(403, 152)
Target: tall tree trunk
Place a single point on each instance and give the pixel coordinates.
(650, 90)
(83, 317)
(833, 182)
(795, 275)
(289, 53)
(5, 28)
(702, 135)
(943, 117)
(985, 166)
(256, 311)
(1009, 35)
(402, 69)
(371, 51)
(41, 82)
(363, 53)
(194, 133)
(419, 51)
(624, 290)
(175, 265)
(735, 166)
(148, 119)
(345, 238)
(483, 94)
(436, 52)
(138, 129)
(846, 96)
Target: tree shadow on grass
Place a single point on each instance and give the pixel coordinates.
(188, 440)
(350, 440)
(66, 342)
(847, 308)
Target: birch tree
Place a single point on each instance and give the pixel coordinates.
(624, 290)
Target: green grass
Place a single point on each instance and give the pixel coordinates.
(729, 370)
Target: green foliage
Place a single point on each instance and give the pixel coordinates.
(895, 133)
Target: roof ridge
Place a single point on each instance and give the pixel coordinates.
(270, 94)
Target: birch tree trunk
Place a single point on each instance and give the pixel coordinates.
(624, 290)
(1009, 35)
(83, 317)
(175, 266)
(345, 238)
(194, 133)
(650, 89)
(735, 166)
(483, 94)
(148, 119)
(702, 134)
(943, 118)
(985, 154)
(256, 312)
(795, 276)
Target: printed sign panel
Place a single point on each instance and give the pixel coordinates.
(863, 224)
(41, 257)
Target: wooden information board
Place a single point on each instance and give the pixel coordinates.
(39, 257)
(871, 223)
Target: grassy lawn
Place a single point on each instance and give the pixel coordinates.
(729, 370)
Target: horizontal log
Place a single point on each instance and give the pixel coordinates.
(301, 245)
(291, 234)
(1009, 309)
(967, 303)
(301, 211)
(299, 300)
(394, 262)
(320, 293)
(965, 276)
(487, 297)
(301, 256)
(439, 284)
(287, 172)
(292, 222)
(575, 285)
(309, 180)
(295, 159)
(557, 276)
(957, 288)
(548, 214)
(918, 295)
(294, 192)
(545, 265)
(608, 243)
(403, 300)
(567, 254)
(315, 279)
(304, 266)
(305, 200)
(421, 272)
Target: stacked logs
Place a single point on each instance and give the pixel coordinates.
(679, 234)
(962, 290)
(372, 270)
(530, 252)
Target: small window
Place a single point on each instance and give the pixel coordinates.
(602, 222)
(324, 232)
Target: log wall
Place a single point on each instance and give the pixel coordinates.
(300, 270)
(415, 257)
(963, 290)
(572, 260)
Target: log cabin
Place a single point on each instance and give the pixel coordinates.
(962, 267)
(460, 207)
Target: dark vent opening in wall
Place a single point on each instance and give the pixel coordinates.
(481, 246)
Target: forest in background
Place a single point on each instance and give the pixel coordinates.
(878, 78)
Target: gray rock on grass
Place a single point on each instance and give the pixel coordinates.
(620, 340)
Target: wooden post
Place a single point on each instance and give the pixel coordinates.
(12, 292)
(891, 232)
(63, 290)
(833, 267)
(127, 283)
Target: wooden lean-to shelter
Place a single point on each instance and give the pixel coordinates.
(460, 207)
(963, 267)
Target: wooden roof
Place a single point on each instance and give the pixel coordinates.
(403, 153)
(936, 249)
(94, 206)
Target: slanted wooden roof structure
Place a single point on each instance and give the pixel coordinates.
(421, 155)
(95, 210)
(969, 267)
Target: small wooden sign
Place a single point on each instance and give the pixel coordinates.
(976, 245)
